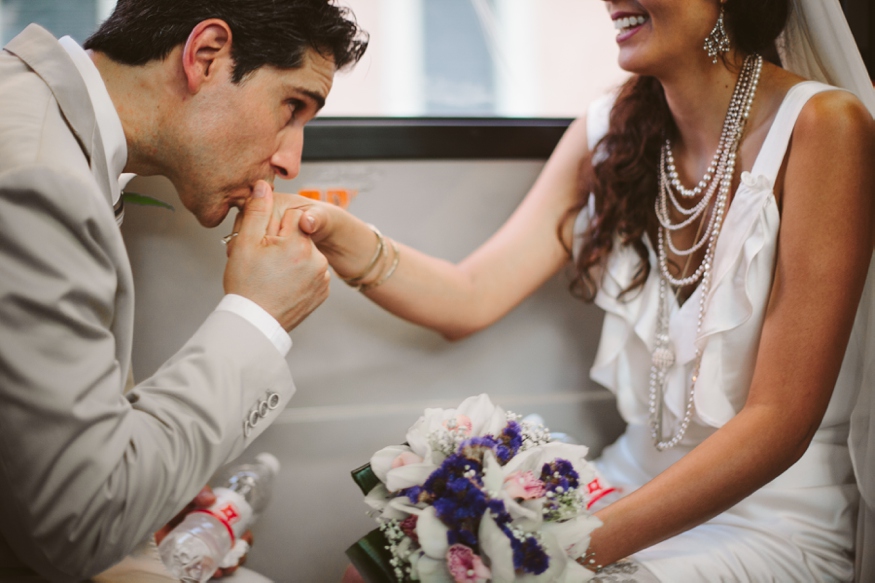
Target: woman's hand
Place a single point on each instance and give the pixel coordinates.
(315, 219)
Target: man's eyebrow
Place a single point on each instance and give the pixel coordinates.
(318, 98)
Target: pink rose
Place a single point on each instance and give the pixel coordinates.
(459, 424)
(405, 458)
(524, 485)
(466, 567)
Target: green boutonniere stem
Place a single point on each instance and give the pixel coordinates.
(143, 200)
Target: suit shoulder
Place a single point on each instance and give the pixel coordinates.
(32, 128)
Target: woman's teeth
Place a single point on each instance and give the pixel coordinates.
(628, 22)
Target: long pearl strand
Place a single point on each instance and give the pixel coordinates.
(718, 178)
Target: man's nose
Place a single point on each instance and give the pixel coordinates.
(286, 161)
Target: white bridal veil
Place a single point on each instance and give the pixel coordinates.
(817, 43)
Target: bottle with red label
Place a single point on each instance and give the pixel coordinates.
(205, 538)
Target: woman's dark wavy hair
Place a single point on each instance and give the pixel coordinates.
(623, 177)
(266, 32)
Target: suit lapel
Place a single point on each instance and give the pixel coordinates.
(36, 47)
(40, 51)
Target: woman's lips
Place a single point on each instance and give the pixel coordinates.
(628, 24)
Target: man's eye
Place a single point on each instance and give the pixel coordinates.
(295, 106)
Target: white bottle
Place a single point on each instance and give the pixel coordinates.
(195, 548)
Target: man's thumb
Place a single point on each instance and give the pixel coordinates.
(257, 212)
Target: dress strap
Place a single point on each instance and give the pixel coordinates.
(771, 156)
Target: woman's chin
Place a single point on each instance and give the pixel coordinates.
(633, 62)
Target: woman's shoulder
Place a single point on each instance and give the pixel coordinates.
(828, 110)
(833, 141)
(834, 114)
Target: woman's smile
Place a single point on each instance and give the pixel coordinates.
(627, 24)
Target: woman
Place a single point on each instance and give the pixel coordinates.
(725, 226)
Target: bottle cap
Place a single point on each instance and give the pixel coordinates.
(269, 460)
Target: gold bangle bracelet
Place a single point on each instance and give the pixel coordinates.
(392, 268)
(357, 279)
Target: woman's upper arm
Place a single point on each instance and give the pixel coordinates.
(824, 247)
(528, 242)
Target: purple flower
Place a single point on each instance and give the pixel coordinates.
(458, 499)
(473, 448)
(414, 494)
(529, 556)
(511, 440)
(559, 474)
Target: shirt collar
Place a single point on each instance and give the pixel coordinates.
(111, 132)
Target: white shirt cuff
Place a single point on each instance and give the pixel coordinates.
(258, 317)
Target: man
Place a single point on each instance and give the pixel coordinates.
(214, 95)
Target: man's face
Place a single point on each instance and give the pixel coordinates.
(233, 135)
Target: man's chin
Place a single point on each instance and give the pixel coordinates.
(212, 216)
(212, 220)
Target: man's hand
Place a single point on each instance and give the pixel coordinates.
(318, 219)
(204, 499)
(273, 263)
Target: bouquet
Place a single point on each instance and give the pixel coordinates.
(476, 494)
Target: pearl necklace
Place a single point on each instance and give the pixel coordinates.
(717, 179)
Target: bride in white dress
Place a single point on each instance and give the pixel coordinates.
(726, 227)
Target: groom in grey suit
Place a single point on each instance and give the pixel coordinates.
(212, 94)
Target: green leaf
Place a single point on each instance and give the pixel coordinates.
(365, 478)
(371, 558)
(143, 200)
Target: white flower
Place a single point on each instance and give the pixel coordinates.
(573, 535)
(535, 458)
(433, 570)
(401, 476)
(432, 534)
(476, 416)
(496, 547)
(526, 515)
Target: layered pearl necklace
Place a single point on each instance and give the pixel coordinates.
(715, 185)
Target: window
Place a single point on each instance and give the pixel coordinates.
(478, 58)
(77, 18)
(436, 58)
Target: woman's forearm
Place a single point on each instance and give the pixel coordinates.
(453, 299)
(747, 453)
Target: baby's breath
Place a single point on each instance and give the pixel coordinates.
(533, 434)
(563, 504)
(399, 547)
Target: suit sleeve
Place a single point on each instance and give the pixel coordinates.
(86, 473)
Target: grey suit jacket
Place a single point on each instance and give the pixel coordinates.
(87, 472)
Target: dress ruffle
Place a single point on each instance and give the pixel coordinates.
(742, 272)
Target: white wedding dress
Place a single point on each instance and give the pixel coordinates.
(801, 526)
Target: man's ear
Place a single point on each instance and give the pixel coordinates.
(208, 45)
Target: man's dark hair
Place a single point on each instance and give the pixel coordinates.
(265, 32)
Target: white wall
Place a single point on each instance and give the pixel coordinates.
(364, 376)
